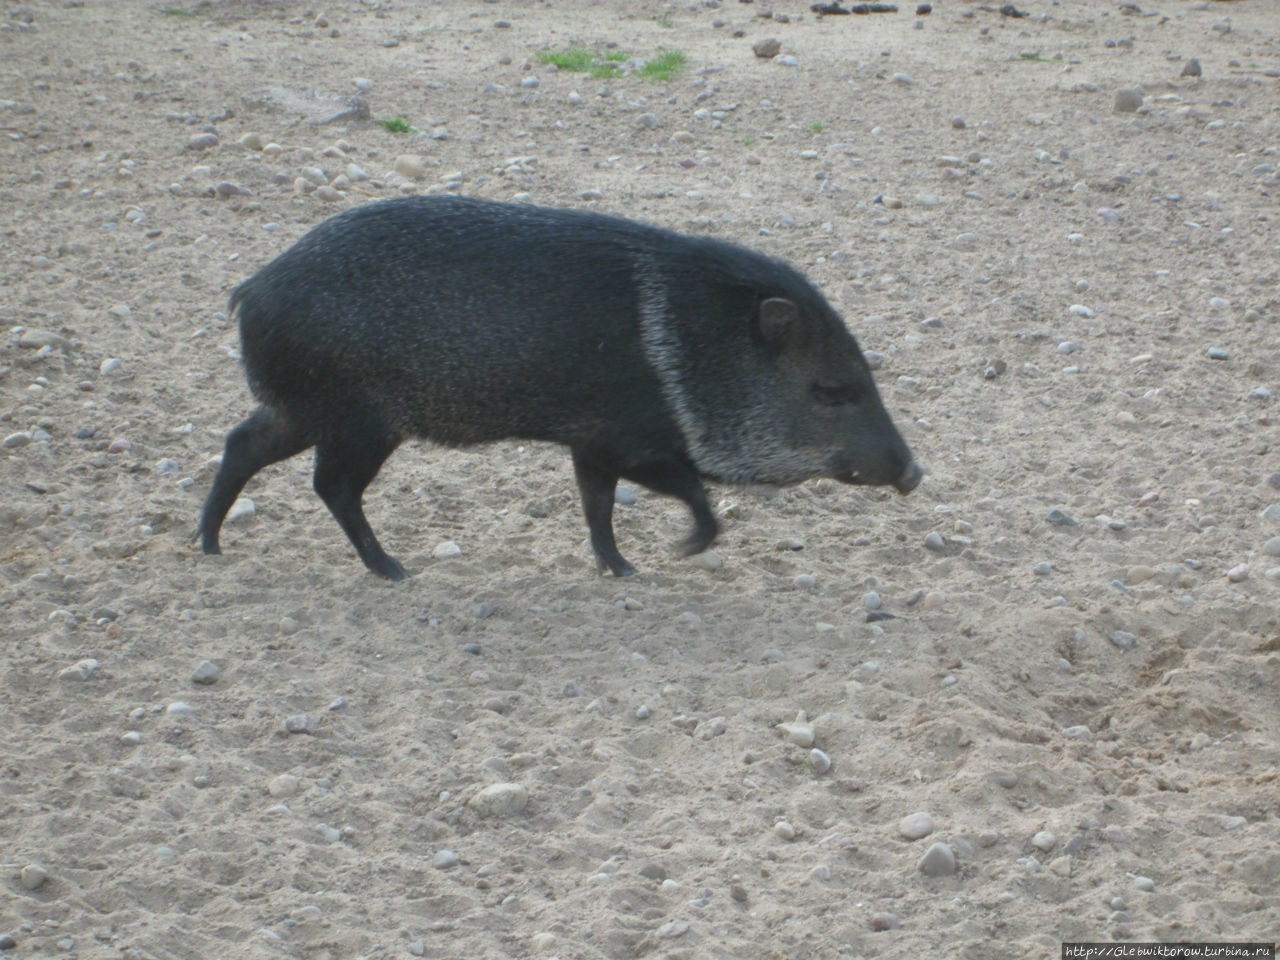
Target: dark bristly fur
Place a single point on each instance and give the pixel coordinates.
(652, 356)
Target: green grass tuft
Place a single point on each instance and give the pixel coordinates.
(397, 125)
(816, 127)
(664, 65)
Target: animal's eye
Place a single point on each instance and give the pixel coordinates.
(834, 395)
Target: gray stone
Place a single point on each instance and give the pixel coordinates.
(938, 861)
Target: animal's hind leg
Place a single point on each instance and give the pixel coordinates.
(266, 437)
(346, 461)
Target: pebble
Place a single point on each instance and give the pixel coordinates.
(643, 712)
(883, 920)
(672, 929)
(1043, 568)
(446, 549)
(652, 870)
(252, 141)
(710, 729)
(179, 709)
(206, 672)
(916, 825)
(328, 194)
(202, 141)
(1058, 518)
(284, 785)
(1044, 841)
(243, 507)
(650, 121)
(499, 799)
(1111, 833)
(738, 892)
(592, 195)
(786, 60)
(15, 440)
(1217, 353)
(1128, 100)
(784, 830)
(289, 626)
(819, 762)
(799, 733)
(1144, 883)
(7, 941)
(805, 581)
(1123, 639)
(624, 495)
(81, 670)
(445, 859)
(411, 166)
(300, 723)
(1272, 547)
(767, 48)
(1272, 511)
(332, 834)
(904, 79)
(1078, 732)
(938, 861)
(33, 876)
(935, 541)
(1192, 68)
(1080, 310)
(1238, 574)
(707, 560)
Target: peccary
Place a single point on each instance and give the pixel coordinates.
(656, 357)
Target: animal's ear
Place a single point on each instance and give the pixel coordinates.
(778, 320)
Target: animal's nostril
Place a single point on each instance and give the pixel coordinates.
(910, 478)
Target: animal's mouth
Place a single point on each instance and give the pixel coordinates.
(907, 481)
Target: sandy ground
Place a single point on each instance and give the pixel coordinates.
(1078, 311)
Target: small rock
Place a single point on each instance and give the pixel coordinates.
(805, 581)
(328, 194)
(767, 49)
(883, 920)
(938, 861)
(1044, 841)
(624, 495)
(1060, 519)
(300, 723)
(1144, 883)
(1272, 547)
(1128, 100)
(7, 941)
(672, 929)
(935, 541)
(289, 626)
(284, 785)
(916, 825)
(799, 733)
(707, 560)
(499, 799)
(252, 141)
(444, 860)
(1078, 732)
(82, 670)
(738, 892)
(15, 440)
(206, 672)
(1191, 69)
(650, 121)
(1239, 573)
(1217, 353)
(652, 870)
(1123, 640)
(243, 507)
(784, 831)
(446, 549)
(786, 60)
(411, 166)
(202, 141)
(33, 876)
(819, 762)
(710, 729)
